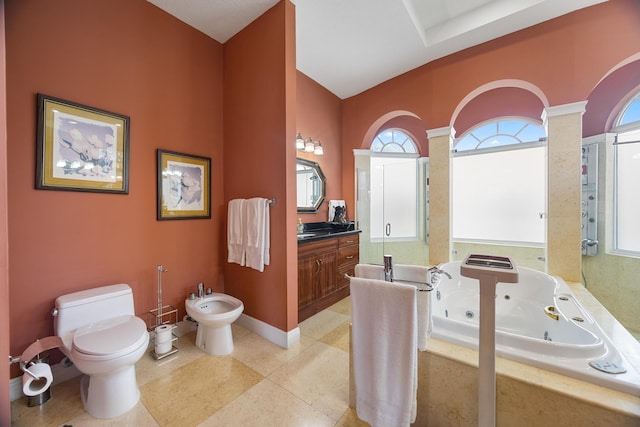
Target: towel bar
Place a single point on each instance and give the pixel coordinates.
(428, 287)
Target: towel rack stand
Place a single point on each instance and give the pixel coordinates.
(271, 201)
(428, 287)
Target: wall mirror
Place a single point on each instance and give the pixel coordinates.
(311, 186)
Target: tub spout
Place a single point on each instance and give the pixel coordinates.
(434, 274)
(388, 269)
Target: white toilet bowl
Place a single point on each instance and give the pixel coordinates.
(106, 353)
(104, 340)
(214, 313)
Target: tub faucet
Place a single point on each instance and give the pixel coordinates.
(200, 290)
(434, 274)
(388, 269)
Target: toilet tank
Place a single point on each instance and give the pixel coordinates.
(92, 305)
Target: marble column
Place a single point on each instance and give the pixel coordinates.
(564, 150)
(440, 145)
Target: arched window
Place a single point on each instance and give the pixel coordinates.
(500, 133)
(394, 187)
(626, 165)
(393, 141)
(499, 183)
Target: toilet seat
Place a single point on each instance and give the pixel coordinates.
(110, 338)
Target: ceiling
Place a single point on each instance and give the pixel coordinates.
(349, 46)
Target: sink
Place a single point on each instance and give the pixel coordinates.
(303, 235)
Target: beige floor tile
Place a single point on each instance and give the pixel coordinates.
(149, 369)
(264, 356)
(320, 377)
(339, 337)
(322, 323)
(343, 306)
(350, 419)
(191, 393)
(139, 416)
(268, 405)
(64, 405)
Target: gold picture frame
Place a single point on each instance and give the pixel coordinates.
(81, 148)
(184, 186)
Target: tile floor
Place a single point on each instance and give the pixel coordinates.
(259, 384)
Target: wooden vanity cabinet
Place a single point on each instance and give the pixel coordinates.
(321, 268)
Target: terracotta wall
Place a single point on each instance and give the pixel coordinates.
(129, 57)
(259, 157)
(319, 117)
(5, 408)
(565, 58)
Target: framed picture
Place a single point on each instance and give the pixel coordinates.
(81, 148)
(184, 186)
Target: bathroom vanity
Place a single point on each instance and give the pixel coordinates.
(325, 255)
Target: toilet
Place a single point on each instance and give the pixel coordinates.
(214, 313)
(104, 339)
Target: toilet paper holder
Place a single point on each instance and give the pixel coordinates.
(33, 351)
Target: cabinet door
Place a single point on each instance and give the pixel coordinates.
(307, 279)
(327, 274)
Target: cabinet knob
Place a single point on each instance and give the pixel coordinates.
(350, 257)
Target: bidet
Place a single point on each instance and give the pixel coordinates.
(214, 313)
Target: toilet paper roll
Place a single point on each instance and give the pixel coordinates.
(163, 338)
(33, 387)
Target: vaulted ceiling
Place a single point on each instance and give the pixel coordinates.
(349, 46)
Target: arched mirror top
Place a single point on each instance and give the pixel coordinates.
(311, 186)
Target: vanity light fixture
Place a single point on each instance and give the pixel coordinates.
(299, 142)
(308, 145)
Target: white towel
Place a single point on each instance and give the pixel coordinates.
(235, 231)
(418, 273)
(384, 351)
(256, 220)
(369, 271)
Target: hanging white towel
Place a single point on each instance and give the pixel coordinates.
(384, 351)
(257, 233)
(235, 231)
(369, 271)
(418, 274)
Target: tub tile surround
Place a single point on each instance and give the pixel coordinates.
(525, 395)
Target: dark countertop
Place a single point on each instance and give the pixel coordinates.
(315, 231)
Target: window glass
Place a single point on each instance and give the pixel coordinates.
(498, 133)
(627, 202)
(393, 141)
(394, 187)
(631, 113)
(499, 183)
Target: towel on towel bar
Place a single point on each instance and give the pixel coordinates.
(369, 271)
(257, 231)
(418, 273)
(235, 231)
(384, 331)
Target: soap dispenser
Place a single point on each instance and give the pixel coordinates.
(300, 226)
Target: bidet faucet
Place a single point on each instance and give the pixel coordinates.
(200, 290)
(388, 269)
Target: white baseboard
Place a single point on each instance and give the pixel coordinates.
(271, 333)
